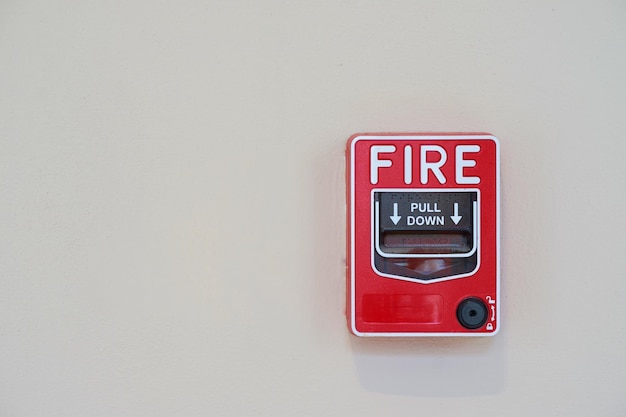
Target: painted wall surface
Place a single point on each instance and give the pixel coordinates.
(172, 204)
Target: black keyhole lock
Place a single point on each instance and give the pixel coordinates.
(472, 313)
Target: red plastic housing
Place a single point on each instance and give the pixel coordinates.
(423, 234)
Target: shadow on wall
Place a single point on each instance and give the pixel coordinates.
(431, 367)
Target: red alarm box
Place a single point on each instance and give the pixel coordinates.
(423, 234)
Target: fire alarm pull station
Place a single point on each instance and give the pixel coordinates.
(423, 235)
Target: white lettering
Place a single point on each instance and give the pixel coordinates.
(376, 163)
(435, 167)
(425, 220)
(462, 161)
(408, 164)
(434, 220)
(425, 208)
(465, 163)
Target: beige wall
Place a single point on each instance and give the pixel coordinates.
(172, 215)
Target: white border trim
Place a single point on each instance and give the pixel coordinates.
(352, 237)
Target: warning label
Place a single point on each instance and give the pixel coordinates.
(425, 210)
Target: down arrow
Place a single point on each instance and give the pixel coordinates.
(456, 218)
(395, 218)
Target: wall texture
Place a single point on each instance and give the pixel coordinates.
(172, 217)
